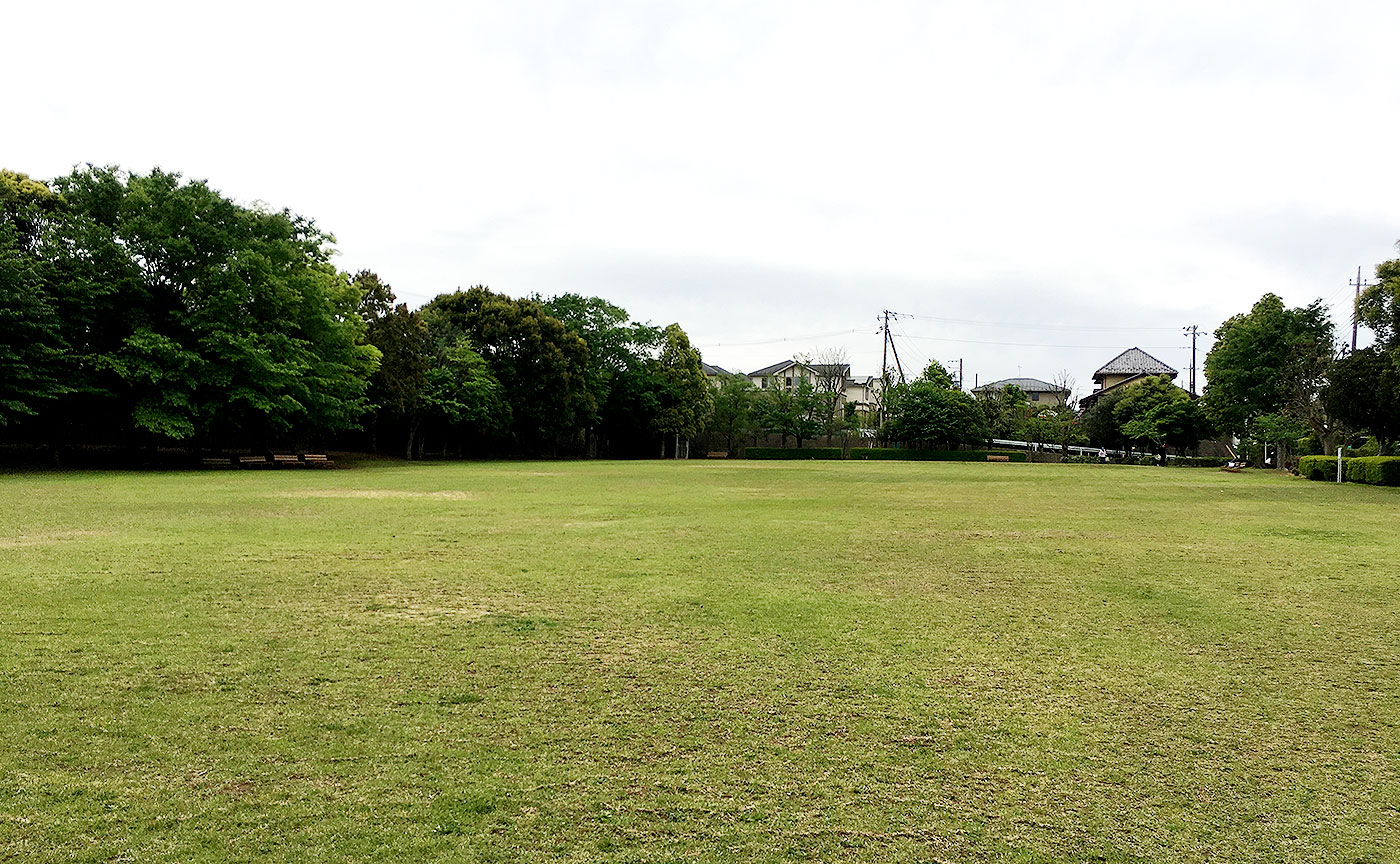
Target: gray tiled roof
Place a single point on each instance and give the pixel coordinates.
(1134, 361)
(711, 369)
(841, 369)
(769, 370)
(1029, 385)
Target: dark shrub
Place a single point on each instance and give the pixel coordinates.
(793, 453)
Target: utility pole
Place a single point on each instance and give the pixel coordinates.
(888, 349)
(960, 380)
(1193, 330)
(1356, 306)
(885, 352)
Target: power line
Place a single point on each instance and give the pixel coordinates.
(1072, 327)
(1045, 345)
(783, 339)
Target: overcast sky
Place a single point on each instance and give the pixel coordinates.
(1082, 176)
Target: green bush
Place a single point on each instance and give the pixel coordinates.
(1320, 467)
(1374, 470)
(933, 455)
(1371, 447)
(793, 453)
(1197, 461)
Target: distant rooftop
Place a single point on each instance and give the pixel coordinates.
(769, 370)
(1028, 385)
(823, 369)
(711, 369)
(1134, 361)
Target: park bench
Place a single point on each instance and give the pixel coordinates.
(316, 460)
(717, 454)
(253, 462)
(217, 462)
(992, 457)
(287, 460)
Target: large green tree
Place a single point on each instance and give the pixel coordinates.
(1364, 393)
(541, 366)
(1157, 413)
(32, 351)
(1007, 412)
(685, 397)
(735, 411)
(1272, 360)
(399, 385)
(789, 411)
(932, 410)
(620, 376)
(192, 318)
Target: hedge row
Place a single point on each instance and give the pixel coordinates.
(1372, 470)
(1197, 462)
(869, 453)
(1320, 467)
(792, 453)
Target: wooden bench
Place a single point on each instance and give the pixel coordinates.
(717, 454)
(992, 457)
(253, 462)
(217, 462)
(287, 460)
(316, 460)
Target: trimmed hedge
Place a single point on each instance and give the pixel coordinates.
(792, 453)
(1321, 467)
(933, 455)
(1373, 470)
(1197, 462)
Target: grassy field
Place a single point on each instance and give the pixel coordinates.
(706, 661)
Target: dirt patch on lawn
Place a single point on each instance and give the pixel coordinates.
(46, 537)
(446, 494)
(425, 613)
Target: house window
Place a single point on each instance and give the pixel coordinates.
(787, 382)
(765, 382)
(1035, 397)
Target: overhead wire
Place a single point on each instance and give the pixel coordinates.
(1040, 344)
(1072, 327)
(783, 339)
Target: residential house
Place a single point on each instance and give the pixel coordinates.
(1128, 368)
(1038, 393)
(860, 391)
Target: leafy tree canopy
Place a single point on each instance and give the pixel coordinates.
(931, 409)
(1270, 360)
(541, 365)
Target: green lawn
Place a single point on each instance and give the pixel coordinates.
(705, 661)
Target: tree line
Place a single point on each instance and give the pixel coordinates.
(145, 311)
(1280, 376)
